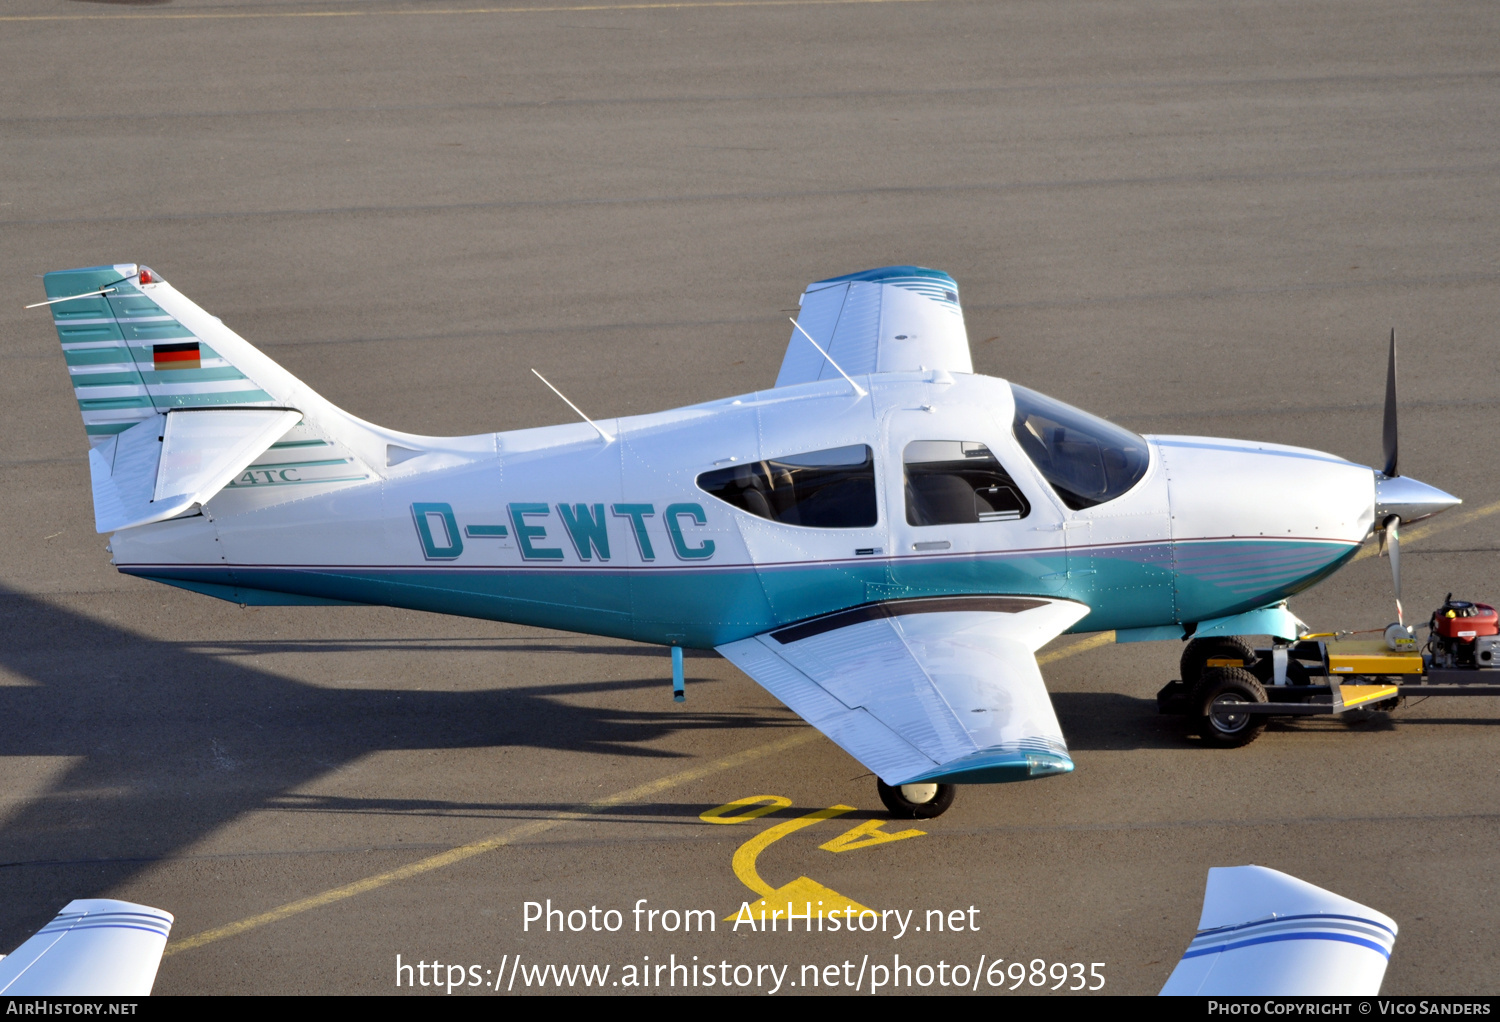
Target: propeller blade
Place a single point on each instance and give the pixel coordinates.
(1393, 545)
(1390, 411)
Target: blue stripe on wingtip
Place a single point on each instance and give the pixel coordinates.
(1282, 919)
(888, 272)
(1275, 937)
(995, 766)
(73, 927)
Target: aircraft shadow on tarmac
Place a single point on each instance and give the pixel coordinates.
(1110, 720)
(258, 647)
(171, 743)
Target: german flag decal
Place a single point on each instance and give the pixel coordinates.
(176, 356)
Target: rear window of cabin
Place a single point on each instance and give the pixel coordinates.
(829, 489)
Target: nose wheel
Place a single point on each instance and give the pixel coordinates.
(916, 801)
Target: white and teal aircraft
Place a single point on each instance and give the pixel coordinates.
(882, 540)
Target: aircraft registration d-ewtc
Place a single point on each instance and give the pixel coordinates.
(882, 540)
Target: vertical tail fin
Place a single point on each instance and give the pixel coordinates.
(142, 356)
(130, 359)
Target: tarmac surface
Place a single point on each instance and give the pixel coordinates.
(1191, 217)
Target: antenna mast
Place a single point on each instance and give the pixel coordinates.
(607, 438)
(857, 388)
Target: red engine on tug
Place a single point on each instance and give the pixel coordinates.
(1464, 634)
(1460, 619)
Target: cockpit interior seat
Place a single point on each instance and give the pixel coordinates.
(941, 499)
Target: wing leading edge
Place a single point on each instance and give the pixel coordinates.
(931, 689)
(894, 319)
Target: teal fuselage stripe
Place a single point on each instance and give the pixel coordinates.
(703, 607)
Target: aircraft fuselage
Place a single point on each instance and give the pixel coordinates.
(554, 527)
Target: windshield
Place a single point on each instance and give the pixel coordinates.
(1086, 459)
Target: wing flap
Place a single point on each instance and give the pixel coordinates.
(853, 730)
(923, 689)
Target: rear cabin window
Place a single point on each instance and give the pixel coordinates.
(832, 489)
(954, 482)
(1086, 459)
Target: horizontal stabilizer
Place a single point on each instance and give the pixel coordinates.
(170, 462)
(1264, 933)
(94, 948)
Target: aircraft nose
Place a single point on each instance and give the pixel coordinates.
(1408, 499)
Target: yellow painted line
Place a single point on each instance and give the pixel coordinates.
(1081, 646)
(468, 851)
(446, 11)
(867, 834)
(762, 804)
(804, 891)
(1433, 526)
(746, 854)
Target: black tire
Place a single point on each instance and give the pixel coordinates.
(1199, 652)
(904, 808)
(1297, 674)
(1225, 728)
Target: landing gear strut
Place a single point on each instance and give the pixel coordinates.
(916, 801)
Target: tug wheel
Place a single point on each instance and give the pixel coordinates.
(916, 801)
(1213, 701)
(1198, 652)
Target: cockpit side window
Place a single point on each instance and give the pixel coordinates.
(953, 482)
(1086, 459)
(831, 489)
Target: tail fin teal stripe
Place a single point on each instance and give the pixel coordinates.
(110, 341)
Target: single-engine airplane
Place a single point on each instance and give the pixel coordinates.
(882, 540)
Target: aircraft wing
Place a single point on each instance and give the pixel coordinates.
(893, 319)
(931, 689)
(95, 947)
(1264, 933)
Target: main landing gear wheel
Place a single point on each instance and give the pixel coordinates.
(916, 801)
(1198, 652)
(1214, 710)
